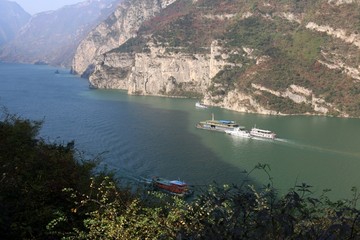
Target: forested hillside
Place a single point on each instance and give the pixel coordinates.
(271, 57)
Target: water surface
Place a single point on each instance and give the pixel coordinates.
(147, 136)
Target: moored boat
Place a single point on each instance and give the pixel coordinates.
(217, 125)
(91, 86)
(175, 187)
(257, 132)
(239, 132)
(200, 105)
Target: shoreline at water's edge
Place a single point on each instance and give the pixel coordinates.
(230, 109)
(214, 105)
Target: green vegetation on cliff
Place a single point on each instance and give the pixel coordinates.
(277, 33)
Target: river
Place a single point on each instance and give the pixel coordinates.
(142, 136)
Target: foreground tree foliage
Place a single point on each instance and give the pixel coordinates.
(221, 212)
(33, 176)
(46, 192)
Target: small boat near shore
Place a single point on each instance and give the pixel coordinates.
(217, 125)
(91, 86)
(175, 187)
(257, 132)
(239, 132)
(200, 105)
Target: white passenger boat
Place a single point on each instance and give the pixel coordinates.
(199, 105)
(239, 132)
(257, 132)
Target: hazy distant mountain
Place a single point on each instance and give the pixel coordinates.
(12, 18)
(52, 37)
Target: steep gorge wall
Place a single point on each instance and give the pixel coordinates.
(154, 73)
(117, 29)
(52, 37)
(158, 71)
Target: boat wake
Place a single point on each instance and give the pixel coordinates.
(282, 140)
(144, 180)
(299, 145)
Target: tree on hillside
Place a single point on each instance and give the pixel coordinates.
(33, 176)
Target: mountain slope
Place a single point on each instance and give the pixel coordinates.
(53, 36)
(12, 18)
(120, 26)
(271, 57)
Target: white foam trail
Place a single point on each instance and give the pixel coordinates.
(282, 140)
(295, 144)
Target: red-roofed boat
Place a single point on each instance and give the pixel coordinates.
(175, 187)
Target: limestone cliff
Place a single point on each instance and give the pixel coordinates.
(260, 56)
(122, 25)
(154, 72)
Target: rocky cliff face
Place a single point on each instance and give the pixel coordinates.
(154, 72)
(264, 57)
(122, 25)
(52, 37)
